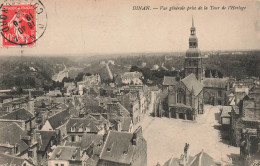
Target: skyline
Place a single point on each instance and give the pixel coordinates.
(93, 28)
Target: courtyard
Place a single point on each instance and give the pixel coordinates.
(166, 138)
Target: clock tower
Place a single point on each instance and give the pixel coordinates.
(193, 59)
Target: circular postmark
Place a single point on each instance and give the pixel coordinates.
(23, 22)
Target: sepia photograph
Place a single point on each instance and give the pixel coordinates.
(130, 83)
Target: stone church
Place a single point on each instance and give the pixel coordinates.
(184, 98)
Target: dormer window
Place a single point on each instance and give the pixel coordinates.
(87, 129)
(72, 129)
(108, 149)
(80, 129)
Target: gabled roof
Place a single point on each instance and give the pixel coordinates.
(192, 83)
(16, 101)
(82, 123)
(19, 114)
(9, 160)
(167, 80)
(202, 159)
(176, 162)
(11, 135)
(118, 147)
(59, 119)
(45, 138)
(125, 122)
(94, 109)
(118, 109)
(172, 162)
(88, 141)
(66, 153)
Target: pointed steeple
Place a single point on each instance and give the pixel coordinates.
(192, 22)
(192, 29)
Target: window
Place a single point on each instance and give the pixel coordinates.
(72, 129)
(181, 96)
(62, 165)
(80, 137)
(72, 138)
(56, 164)
(80, 129)
(87, 129)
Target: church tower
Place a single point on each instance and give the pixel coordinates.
(193, 59)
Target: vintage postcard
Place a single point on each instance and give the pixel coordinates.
(130, 83)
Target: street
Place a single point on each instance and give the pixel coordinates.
(166, 137)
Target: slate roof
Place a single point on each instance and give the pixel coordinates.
(125, 122)
(89, 142)
(118, 147)
(65, 153)
(175, 161)
(202, 159)
(59, 119)
(15, 101)
(11, 135)
(94, 140)
(45, 138)
(215, 82)
(94, 109)
(19, 114)
(92, 124)
(98, 116)
(169, 81)
(118, 109)
(191, 82)
(172, 162)
(9, 160)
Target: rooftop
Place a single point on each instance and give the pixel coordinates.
(66, 153)
(118, 147)
(192, 83)
(19, 114)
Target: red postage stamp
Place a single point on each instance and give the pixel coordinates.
(20, 25)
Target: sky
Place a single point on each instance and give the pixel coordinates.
(89, 27)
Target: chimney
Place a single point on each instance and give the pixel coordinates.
(136, 135)
(33, 136)
(119, 128)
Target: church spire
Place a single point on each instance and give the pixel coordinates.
(192, 22)
(192, 29)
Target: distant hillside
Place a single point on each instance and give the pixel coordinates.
(230, 63)
(29, 72)
(246, 64)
